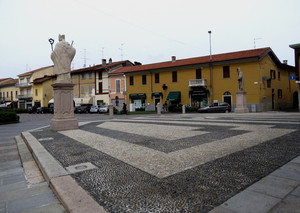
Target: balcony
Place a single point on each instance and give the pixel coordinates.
(24, 96)
(197, 83)
(28, 84)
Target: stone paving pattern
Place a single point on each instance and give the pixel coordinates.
(23, 191)
(244, 148)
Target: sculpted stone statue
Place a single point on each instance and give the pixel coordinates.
(240, 79)
(62, 57)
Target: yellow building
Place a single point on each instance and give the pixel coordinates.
(43, 91)
(8, 92)
(27, 97)
(203, 80)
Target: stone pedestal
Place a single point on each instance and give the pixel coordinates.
(241, 103)
(183, 109)
(158, 108)
(64, 118)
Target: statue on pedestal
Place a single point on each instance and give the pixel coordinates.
(240, 79)
(62, 57)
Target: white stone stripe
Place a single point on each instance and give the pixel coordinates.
(161, 164)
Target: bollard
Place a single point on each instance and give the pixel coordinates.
(183, 109)
(111, 111)
(158, 108)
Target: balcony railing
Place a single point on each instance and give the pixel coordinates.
(28, 84)
(24, 96)
(197, 83)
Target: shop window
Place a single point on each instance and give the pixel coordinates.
(174, 76)
(144, 79)
(131, 81)
(226, 72)
(198, 73)
(157, 78)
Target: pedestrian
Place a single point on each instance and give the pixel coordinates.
(124, 109)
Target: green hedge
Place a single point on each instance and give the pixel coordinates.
(7, 116)
(178, 108)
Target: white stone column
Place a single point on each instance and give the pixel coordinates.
(111, 111)
(241, 103)
(183, 109)
(158, 108)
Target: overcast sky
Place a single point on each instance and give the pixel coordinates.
(144, 31)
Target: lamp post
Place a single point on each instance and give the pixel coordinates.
(51, 41)
(210, 69)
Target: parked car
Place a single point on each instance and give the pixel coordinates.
(82, 109)
(94, 109)
(103, 108)
(216, 107)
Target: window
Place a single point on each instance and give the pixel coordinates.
(157, 78)
(198, 74)
(90, 89)
(226, 72)
(131, 81)
(36, 92)
(82, 76)
(90, 75)
(272, 74)
(278, 75)
(174, 76)
(144, 79)
(100, 75)
(100, 87)
(279, 93)
(82, 90)
(118, 86)
(16, 94)
(117, 100)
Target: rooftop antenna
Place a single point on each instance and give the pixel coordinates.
(121, 49)
(84, 58)
(255, 42)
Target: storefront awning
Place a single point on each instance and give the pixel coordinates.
(137, 96)
(174, 96)
(157, 94)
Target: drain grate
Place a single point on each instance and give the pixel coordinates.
(45, 139)
(80, 167)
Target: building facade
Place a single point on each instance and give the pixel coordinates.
(25, 86)
(204, 80)
(8, 92)
(92, 84)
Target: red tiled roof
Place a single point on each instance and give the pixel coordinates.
(99, 67)
(9, 82)
(43, 79)
(198, 60)
(30, 72)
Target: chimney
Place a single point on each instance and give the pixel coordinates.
(285, 62)
(103, 62)
(173, 58)
(109, 61)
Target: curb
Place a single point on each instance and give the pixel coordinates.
(73, 197)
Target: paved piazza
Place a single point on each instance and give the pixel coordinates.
(174, 163)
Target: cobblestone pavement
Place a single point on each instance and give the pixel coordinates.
(175, 163)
